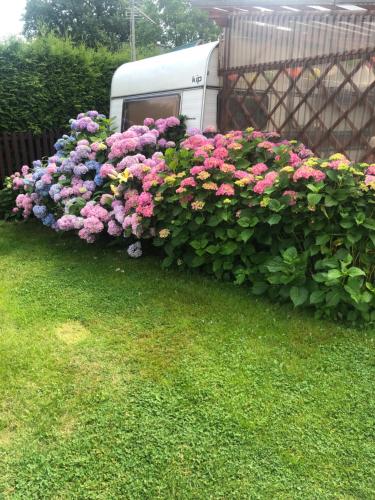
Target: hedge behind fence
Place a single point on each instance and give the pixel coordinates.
(45, 82)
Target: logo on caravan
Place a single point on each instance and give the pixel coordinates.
(197, 79)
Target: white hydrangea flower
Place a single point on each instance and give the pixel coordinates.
(135, 250)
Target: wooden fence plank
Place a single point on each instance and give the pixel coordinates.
(22, 148)
(38, 149)
(45, 147)
(30, 148)
(8, 154)
(2, 157)
(16, 159)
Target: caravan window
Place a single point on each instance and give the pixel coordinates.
(162, 106)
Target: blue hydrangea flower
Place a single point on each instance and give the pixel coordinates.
(54, 189)
(98, 180)
(93, 165)
(40, 211)
(49, 220)
(38, 172)
(80, 170)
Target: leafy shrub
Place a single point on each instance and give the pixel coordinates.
(46, 81)
(7, 201)
(244, 206)
(294, 226)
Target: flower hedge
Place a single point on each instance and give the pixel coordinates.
(244, 206)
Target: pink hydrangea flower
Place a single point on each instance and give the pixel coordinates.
(189, 181)
(241, 174)
(292, 195)
(148, 122)
(267, 182)
(221, 153)
(114, 229)
(196, 170)
(212, 163)
(85, 234)
(225, 190)
(306, 172)
(259, 168)
(106, 170)
(93, 209)
(93, 225)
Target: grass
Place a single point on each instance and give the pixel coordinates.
(121, 380)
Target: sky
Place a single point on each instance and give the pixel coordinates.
(11, 12)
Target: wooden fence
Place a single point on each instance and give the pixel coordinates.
(22, 148)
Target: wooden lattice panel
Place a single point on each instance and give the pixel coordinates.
(328, 105)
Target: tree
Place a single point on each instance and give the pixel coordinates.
(177, 23)
(92, 22)
(106, 22)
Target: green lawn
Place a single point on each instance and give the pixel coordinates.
(145, 383)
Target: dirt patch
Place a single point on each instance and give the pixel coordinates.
(72, 332)
(6, 437)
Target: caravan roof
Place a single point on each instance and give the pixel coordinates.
(182, 69)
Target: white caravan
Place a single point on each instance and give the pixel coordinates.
(182, 82)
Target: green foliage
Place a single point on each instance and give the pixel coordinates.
(45, 82)
(314, 246)
(94, 23)
(97, 23)
(177, 24)
(7, 202)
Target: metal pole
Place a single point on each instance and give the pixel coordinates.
(132, 31)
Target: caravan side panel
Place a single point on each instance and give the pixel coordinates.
(191, 106)
(116, 113)
(210, 109)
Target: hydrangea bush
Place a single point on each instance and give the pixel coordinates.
(244, 206)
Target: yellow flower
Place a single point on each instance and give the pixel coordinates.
(170, 179)
(114, 190)
(181, 174)
(235, 145)
(102, 146)
(249, 130)
(356, 172)
(324, 164)
(243, 182)
(265, 202)
(209, 186)
(164, 233)
(343, 166)
(197, 205)
(203, 175)
(227, 201)
(337, 156)
(158, 197)
(146, 168)
(288, 169)
(125, 175)
(311, 162)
